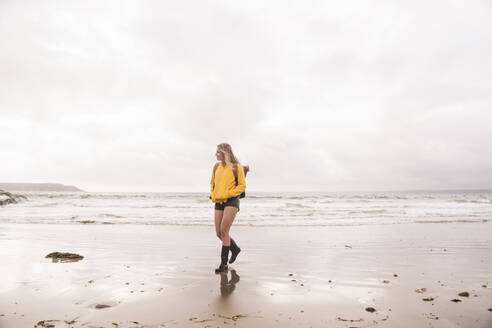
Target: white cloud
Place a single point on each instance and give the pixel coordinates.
(318, 95)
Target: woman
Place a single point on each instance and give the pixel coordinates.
(225, 190)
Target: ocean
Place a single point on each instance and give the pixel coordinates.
(257, 209)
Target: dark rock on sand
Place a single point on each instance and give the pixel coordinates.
(370, 309)
(86, 221)
(350, 320)
(464, 294)
(46, 323)
(102, 306)
(64, 257)
(456, 300)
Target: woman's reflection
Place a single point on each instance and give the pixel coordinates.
(227, 286)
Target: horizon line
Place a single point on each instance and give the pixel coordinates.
(304, 191)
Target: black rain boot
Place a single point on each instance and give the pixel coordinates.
(234, 251)
(223, 256)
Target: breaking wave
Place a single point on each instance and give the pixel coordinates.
(257, 209)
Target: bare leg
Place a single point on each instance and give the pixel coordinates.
(218, 221)
(224, 254)
(229, 216)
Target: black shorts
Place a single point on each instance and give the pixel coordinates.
(233, 201)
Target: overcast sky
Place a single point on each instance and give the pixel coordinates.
(314, 95)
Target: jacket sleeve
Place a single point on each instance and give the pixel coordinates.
(212, 180)
(241, 183)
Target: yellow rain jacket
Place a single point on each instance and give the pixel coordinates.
(223, 183)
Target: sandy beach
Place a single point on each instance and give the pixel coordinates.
(162, 276)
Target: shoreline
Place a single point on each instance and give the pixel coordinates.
(91, 221)
(162, 276)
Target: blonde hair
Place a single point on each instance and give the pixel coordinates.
(229, 157)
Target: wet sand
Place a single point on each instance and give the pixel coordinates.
(162, 276)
